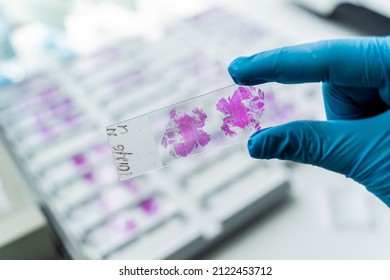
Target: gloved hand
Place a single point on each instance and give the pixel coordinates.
(355, 140)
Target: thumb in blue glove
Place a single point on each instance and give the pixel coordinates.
(355, 141)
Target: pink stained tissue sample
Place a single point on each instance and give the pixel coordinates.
(242, 110)
(149, 206)
(184, 132)
(79, 159)
(123, 227)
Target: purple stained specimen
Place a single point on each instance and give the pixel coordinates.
(123, 226)
(71, 120)
(102, 148)
(89, 177)
(48, 95)
(242, 110)
(131, 186)
(149, 206)
(79, 159)
(48, 132)
(129, 225)
(61, 108)
(184, 132)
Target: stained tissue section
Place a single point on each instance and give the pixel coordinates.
(184, 132)
(242, 110)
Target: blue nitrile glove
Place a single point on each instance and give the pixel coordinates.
(355, 140)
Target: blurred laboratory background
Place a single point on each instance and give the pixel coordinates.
(69, 68)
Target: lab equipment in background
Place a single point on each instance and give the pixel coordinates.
(222, 117)
(6, 51)
(46, 11)
(326, 7)
(53, 13)
(24, 230)
(53, 122)
(368, 17)
(10, 71)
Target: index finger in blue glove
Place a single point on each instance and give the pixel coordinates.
(360, 62)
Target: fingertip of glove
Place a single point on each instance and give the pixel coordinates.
(251, 148)
(252, 144)
(241, 71)
(234, 69)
